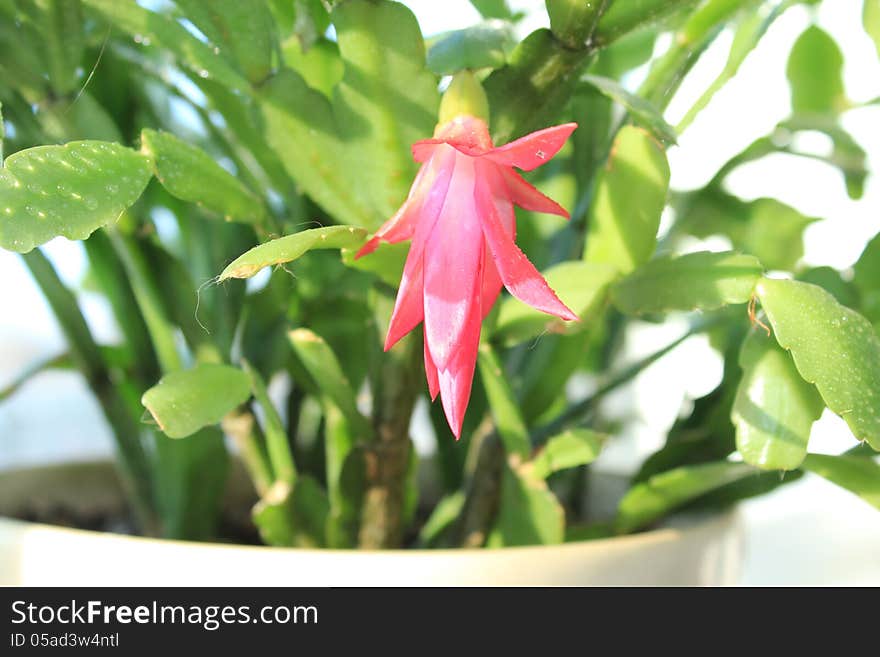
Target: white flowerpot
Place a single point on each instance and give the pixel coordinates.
(702, 551)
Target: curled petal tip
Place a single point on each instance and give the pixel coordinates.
(367, 248)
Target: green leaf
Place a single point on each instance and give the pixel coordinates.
(573, 21)
(815, 73)
(187, 400)
(867, 279)
(833, 347)
(628, 15)
(580, 285)
(322, 365)
(569, 449)
(528, 513)
(503, 405)
(857, 474)
(481, 46)
(846, 292)
(529, 93)
(190, 174)
(291, 247)
(243, 32)
(320, 65)
(640, 110)
(293, 517)
(630, 197)
(774, 408)
(702, 280)
(386, 262)
(277, 442)
(774, 233)
(871, 21)
(493, 8)
(69, 190)
(442, 517)
(667, 491)
(385, 102)
(162, 31)
(61, 23)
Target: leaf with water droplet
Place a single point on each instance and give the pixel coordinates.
(834, 347)
(775, 408)
(190, 174)
(49, 191)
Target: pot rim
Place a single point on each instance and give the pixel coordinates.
(688, 524)
(721, 521)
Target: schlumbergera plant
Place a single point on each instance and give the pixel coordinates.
(191, 145)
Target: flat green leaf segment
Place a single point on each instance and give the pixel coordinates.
(291, 247)
(528, 512)
(582, 286)
(190, 174)
(775, 408)
(640, 110)
(703, 281)
(293, 516)
(630, 196)
(871, 21)
(503, 404)
(242, 32)
(322, 365)
(386, 101)
(815, 73)
(569, 449)
(161, 30)
(867, 280)
(482, 46)
(834, 347)
(665, 492)
(185, 401)
(857, 474)
(69, 190)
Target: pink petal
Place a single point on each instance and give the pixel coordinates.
(408, 308)
(424, 149)
(528, 197)
(518, 274)
(431, 374)
(457, 379)
(452, 266)
(492, 284)
(533, 150)
(402, 225)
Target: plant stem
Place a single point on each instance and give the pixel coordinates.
(133, 460)
(241, 426)
(483, 489)
(387, 458)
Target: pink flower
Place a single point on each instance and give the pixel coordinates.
(459, 215)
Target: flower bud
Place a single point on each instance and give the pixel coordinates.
(464, 97)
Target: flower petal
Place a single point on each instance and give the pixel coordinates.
(403, 224)
(408, 307)
(533, 150)
(431, 374)
(424, 149)
(518, 274)
(457, 379)
(452, 266)
(528, 197)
